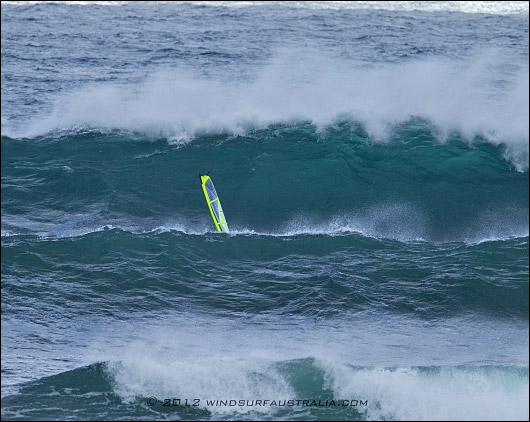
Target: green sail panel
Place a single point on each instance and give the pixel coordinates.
(214, 204)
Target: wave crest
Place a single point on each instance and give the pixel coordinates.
(485, 96)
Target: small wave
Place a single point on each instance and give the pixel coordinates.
(292, 231)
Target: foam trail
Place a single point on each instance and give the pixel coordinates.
(484, 96)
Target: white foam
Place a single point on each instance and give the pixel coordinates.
(452, 394)
(204, 379)
(210, 356)
(484, 95)
(403, 222)
(487, 7)
(237, 358)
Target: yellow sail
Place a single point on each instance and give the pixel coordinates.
(214, 204)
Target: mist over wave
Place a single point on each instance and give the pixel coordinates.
(372, 161)
(485, 96)
(292, 360)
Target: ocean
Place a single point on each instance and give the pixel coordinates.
(372, 163)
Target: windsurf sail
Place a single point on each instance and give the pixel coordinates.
(214, 204)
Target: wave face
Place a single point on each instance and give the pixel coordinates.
(372, 164)
(283, 180)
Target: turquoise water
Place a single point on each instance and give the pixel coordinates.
(373, 170)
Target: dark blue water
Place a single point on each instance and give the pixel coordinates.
(372, 164)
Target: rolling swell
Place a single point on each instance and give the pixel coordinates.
(406, 227)
(372, 162)
(304, 275)
(280, 180)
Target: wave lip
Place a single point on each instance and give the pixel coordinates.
(473, 98)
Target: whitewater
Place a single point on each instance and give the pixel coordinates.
(372, 161)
